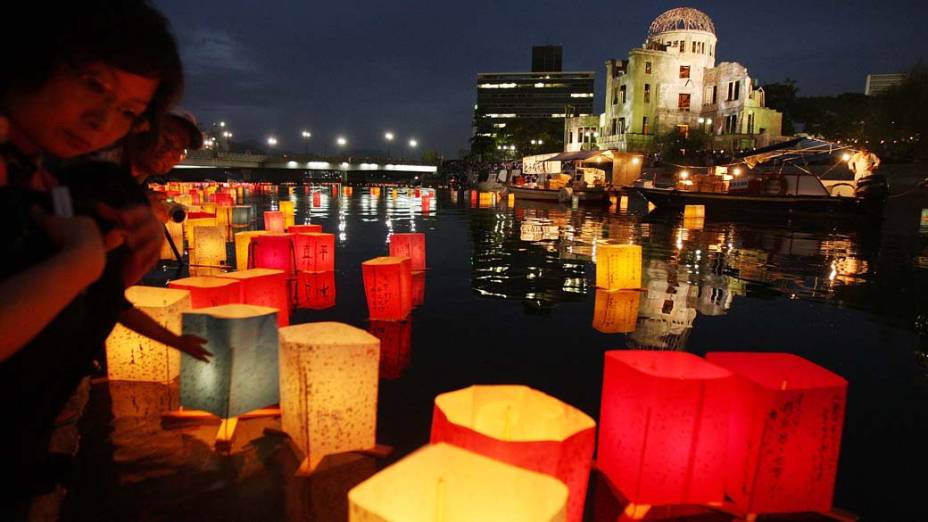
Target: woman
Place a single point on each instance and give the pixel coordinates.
(91, 73)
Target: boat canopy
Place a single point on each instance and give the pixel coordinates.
(581, 155)
(798, 150)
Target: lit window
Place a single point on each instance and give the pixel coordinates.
(684, 102)
(684, 71)
(622, 93)
(647, 67)
(647, 93)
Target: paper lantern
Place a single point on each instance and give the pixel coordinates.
(523, 427)
(242, 245)
(375, 192)
(272, 251)
(192, 222)
(694, 211)
(418, 288)
(242, 374)
(140, 400)
(395, 346)
(224, 221)
(317, 199)
(209, 207)
(328, 388)
(315, 290)
(176, 232)
(134, 357)
(388, 287)
(264, 287)
(288, 209)
(426, 203)
(314, 251)
(208, 291)
(664, 427)
(223, 200)
(487, 199)
(411, 245)
(274, 221)
(511, 199)
(616, 311)
(473, 198)
(785, 432)
(195, 195)
(623, 203)
(242, 215)
(348, 191)
(303, 229)
(417, 192)
(441, 482)
(618, 265)
(209, 246)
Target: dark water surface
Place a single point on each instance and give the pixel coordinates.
(510, 298)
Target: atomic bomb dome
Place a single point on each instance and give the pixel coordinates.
(681, 19)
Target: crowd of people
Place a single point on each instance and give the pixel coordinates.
(87, 113)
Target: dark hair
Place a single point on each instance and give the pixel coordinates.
(127, 34)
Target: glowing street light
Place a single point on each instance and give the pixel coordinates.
(845, 157)
(388, 136)
(307, 134)
(341, 141)
(226, 134)
(413, 143)
(737, 171)
(272, 141)
(222, 124)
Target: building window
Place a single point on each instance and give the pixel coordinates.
(622, 128)
(647, 93)
(731, 124)
(737, 90)
(614, 126)
(570, 137)
(647, 67)
(715, 94)
(694, 47)
(731, 91)
(684, 71)
(622, 93)
(684, 102)
(644, 125)
(751, 123)
(711, 49)
(682, 46)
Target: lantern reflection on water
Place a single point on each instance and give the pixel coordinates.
(616, 311)
(388, 287)
(418, 288)
(208, 291)
(134, 357)
(395, 346)
(618, 265)
(328, 388)
(523, 427)
(664, 427)
(784, 432)
(242, 246)
(264, 287)
(411, 245)
(242, 374)
(441, 482)
(315, 290)
(274, 221)
(314, 251)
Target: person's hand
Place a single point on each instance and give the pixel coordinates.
(142, 234)
(193, 346)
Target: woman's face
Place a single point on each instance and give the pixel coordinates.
(81, 109)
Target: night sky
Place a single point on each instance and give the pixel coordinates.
(359, 68)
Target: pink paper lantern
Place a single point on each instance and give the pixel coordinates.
(274, 221)
(209, 291)
(264, 287)
(664, 427)
(785, 432)
(315, 290)
(315, 251)
(411, 245)
(388, 287)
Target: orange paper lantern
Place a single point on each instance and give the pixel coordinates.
(209, 291)
(274, 221)
(411, 245)
(302, 229)
(785, 432)
(315, 290)
(314, 251)
(664, 427)
(395, 346)
(523, 427)
(388, 287)
(264, 287)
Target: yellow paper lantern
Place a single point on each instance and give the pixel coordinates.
(623, 203)
(176, 231)
(134, 357)
(694, 211)
(444, 483)
(224, 221)
(209, 247)
(192, 223)
(487, 199)
(512, 199)
(242, 240)
(328, 388)
(616, 311)
(289, 210)
(618, 266)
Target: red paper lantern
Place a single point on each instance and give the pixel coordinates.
(315, 251)
(411, 245)
(209, 291)
(272, 251)
(388, 287)
(302, 229)
(264, 287)
(785, 432)
(274, 221)
(315, 290)
(418, 288)
(223, 200)
(195, 196)
(317, 199)
(664, 427)
(473, 198)
(395, 346)
(522, 427)
(417, 192)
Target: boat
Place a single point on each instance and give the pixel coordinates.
(790, 190)
(561, 177)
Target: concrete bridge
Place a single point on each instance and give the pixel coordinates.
(303, 164)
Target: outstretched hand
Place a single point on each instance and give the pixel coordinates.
(193, 346)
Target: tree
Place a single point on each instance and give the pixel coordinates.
(684, 148)
(782, 97)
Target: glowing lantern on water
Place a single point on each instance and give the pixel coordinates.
(694, 211)
(288, 209)
(442, 482)
(208, 291)
(314, 251)
(242, 374)
(242, 215)
(487, 199)
(242, 244)
(511, 199)
(618, 265)
(375, 192)
(613, 201)
(209, 246)
(418, 288)
(395, 346)
(411, 245)
(193, 222)
(616, 311)
(303, 229)
(315, 290)
(176, 231)
(388, 287)
(134, 357)
(224, 221)
(623, 203)
(426, 203)
(223, 200)
(195, 196)
(274, 221)
(473, 198)
(348, 191)
(328, 388)
(317, 199)
(417, 192)
(663, 428)
(785, 432)
(272, 251)
(523, 427)
(264, 287)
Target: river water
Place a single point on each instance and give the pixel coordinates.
(510, 298)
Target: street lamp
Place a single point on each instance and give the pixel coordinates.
(413, 143)
(388, 136)
(272, 141)
(306, 135)
(341, 141)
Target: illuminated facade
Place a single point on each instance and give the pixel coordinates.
(673, 82)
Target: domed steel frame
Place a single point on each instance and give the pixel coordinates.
(681, 19)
